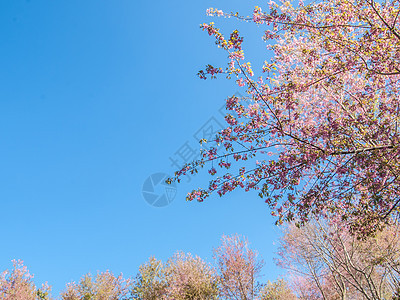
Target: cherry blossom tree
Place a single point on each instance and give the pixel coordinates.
(326, 262)
(18, 285)
(238, 267)
(104, 286)
(317, 132)
(190, 278)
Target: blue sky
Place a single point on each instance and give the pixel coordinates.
(96, 96)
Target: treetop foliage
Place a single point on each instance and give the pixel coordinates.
(320, 122)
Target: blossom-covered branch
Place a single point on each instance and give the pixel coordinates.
(322, 119)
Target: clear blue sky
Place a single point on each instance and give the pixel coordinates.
(95, 96)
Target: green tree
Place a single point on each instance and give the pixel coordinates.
(277, 290)
(104, 286)
(150, 282)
